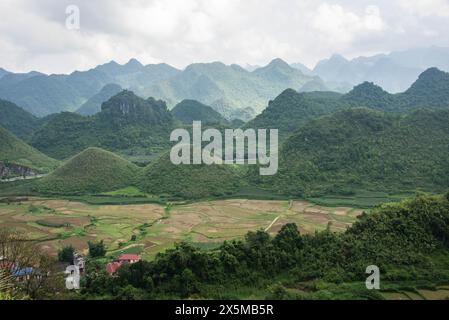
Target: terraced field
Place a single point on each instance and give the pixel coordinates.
(441, 293)
(152, 228)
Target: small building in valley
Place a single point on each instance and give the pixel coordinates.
(126, 258)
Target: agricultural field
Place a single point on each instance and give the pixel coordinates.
(152, 228)
(440, 293)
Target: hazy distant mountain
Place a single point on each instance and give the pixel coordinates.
(394, 72)
(3, 72)
(251, 67)
(209, 82)
(93, 105)
(225, 109)
(45, 94)
(303, 68)
(316, 84)
(42, 94)
(16, 120)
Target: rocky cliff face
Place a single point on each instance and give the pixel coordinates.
(12, 170)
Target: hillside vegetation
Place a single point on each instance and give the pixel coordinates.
(291, 110)
(126, 123)
(362, 149)
(188, 111)
(16, 120)
(93, 105)
(188, 181)
(92, 171)
(15, 151)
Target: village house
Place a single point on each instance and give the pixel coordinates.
(126, 258)
(20, 274)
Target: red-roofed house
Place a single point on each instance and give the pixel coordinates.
(125, 258)
(128, 258)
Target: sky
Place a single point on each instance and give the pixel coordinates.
(43, 35)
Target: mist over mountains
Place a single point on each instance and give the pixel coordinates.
(224, 87)
(394, 72)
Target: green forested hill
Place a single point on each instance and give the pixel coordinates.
(16, 120)
(430, 90)
(188, 111)
(15, 151)
(127, 123)
(188, 181)
(362, 149)
(92, 171)
(290, 110)
(372, 96)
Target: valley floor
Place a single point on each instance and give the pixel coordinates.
(152, 228)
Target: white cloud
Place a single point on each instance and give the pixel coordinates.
(342, 26)
(179, 32)
(426, 7)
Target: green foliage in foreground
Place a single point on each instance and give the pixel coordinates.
(96, 249)
(66, 254)
(15, 151)
(92, 171)
(402, 239)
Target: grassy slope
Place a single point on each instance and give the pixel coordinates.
(16, 151)
(92, 171)
(188, 181)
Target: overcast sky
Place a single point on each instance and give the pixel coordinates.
(34, 36)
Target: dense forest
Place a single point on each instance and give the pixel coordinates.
(408, 241)
(363, 149)
(126, 123)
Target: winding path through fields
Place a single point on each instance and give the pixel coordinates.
(290, 205)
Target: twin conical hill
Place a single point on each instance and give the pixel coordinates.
(15, 151)
(92, 171)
